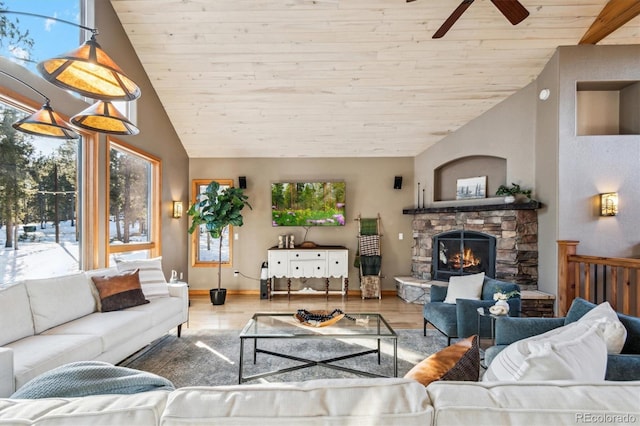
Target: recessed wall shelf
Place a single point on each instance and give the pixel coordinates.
(607, 108)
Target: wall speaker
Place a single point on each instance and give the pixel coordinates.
(242, 182)
(397, 182)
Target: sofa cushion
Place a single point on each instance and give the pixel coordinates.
(540, 403)
(15, 310)
(575, 352)
(36, 354)
(57, 300)
(152, 279)
(138, 409)
(120, 291)
(160, 308)
(460, 361)
(112, 328)
(464, 287)
(327, 402)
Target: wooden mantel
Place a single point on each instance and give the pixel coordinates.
(531, 205)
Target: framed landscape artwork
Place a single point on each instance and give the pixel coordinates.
(469, 188)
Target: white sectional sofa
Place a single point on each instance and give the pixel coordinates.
(50, 322)
(343, 402)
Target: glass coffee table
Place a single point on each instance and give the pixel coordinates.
(285, 327)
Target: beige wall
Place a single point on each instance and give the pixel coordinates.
(506, 131)
(157, 137)
(589, 165)
(546, 182)
(369, 185)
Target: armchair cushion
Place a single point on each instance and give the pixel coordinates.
(438, 293)
(461, 319)
(464, 287)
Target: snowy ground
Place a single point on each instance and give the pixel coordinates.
(39, 259)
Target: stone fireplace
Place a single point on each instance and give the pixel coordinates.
(511, 230)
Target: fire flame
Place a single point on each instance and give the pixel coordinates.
(466, 260)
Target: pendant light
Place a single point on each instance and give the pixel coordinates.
(104, 117)
(44, 122)
(89, 71)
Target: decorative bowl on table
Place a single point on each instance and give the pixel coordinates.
(318, 318)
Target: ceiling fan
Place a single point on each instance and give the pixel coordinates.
(513, 10)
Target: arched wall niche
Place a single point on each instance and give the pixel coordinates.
(446, 175)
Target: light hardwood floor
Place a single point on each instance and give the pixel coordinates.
(238, 309)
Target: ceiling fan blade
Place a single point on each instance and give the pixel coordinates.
(452, 18)
(513, 10)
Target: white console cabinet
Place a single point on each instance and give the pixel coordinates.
(317, 262)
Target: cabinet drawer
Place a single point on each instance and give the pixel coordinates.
(337, 264)
(278, 263)
(308, 268)
(307, 255)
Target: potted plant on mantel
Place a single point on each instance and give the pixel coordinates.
(216, 209)
(514, 193)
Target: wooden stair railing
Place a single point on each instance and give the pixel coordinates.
(597, 279)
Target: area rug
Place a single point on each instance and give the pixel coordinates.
(211, 358)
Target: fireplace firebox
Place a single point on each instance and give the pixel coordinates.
(463, 253)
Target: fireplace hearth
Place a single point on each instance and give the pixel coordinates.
(462, 253)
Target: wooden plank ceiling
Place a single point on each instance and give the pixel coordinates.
(343, 78)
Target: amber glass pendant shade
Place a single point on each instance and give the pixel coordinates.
(89, 71)
(104, 117)
(47, 123)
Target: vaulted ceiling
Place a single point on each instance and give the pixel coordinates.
(346, 78)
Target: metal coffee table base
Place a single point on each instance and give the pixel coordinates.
(312, 363)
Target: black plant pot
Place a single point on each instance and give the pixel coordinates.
(218, 296)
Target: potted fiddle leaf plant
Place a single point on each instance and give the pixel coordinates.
(216, 209)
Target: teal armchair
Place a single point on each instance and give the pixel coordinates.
(460, 320)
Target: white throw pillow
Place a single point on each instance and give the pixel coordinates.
(525, 359)
(582, 358)
(464, 287)
(612, 330)
(152, 279)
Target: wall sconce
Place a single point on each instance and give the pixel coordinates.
(609, 204)
(177, 209)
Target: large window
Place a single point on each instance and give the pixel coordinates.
(39, 201)
(134, 194)
(205, 249)
(28, 40)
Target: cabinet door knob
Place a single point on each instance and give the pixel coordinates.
(297, 268)
(337, 262)
(318, 254)
(297, 255)
(318, 268)
(278, 262)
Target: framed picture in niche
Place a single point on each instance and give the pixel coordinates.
(469, 188)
